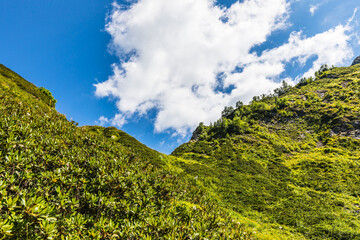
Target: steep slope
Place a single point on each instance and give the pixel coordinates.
(356, 61)
(40, 93)
(60, 181)
(289, 160)
(130, 143)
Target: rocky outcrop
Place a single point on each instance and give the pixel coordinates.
(351, 129)
(356, 61)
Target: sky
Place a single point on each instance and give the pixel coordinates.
(157, 68)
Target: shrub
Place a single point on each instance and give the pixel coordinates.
(49, 96)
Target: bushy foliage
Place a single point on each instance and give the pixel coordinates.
(49, 95)
(285, 87)
(39, 93)
(291, 158)
(227, 112)
(304, 81)
(286, 166)
(59, 181)
(321, 71)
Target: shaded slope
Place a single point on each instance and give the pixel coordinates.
(58, 181)
(291, 159)
(356, 61)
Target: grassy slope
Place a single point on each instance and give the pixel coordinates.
(129, 143)
(26, 86)
(289, 162)
(59, 181)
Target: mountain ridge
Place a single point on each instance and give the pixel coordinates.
(294, 150)
(356, 61)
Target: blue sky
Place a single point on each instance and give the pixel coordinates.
(75, 51)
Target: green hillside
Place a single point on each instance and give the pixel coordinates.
(286, 166)
(289, 160)
(40, 93)
(130, 143)
(60, 181)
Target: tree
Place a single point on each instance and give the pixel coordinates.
(285, 87)
(239, 104)
(227, 111)
(322, 69)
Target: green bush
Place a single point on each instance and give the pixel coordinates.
(60, 181)
(49, 95)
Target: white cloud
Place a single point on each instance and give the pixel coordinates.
(181, 46)
(118, 121)
(331, 47)
(313, 8)
(353, 17)
(102, 121)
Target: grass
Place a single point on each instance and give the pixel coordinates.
(289, 159)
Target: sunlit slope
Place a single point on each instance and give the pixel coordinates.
(130, 143)
(290, 160)
(60, 181)
(39, 93)
(174, 164)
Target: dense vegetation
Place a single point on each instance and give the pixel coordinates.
(60, 181)
(40, 93)
(285, 166)
(288, 160)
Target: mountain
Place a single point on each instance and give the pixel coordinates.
(356, 61)
(60, 181)
(285, 166)
(289, 160)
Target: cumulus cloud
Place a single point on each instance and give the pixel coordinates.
(330, 47)
(118, 121)
(190, 58)
(102, 121)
